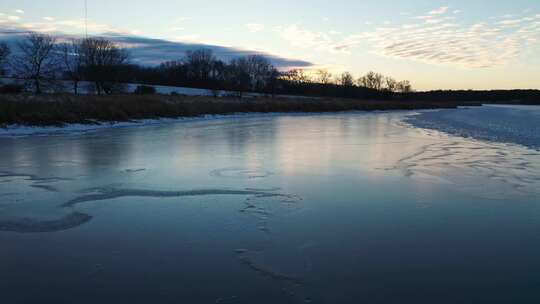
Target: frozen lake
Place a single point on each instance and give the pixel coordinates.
(336, 208)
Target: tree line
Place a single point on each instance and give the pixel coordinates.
(44, 64)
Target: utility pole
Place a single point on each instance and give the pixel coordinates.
(86, 19)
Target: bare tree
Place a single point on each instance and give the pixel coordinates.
(372, 80)
(103, 60)
(390, 84)
(273, 81)
(36, 61)
(258, 68)
(346, 79)
(4, 54)
(324, 77)
(73, 62)
(404, 87)
(297, 77)
(200, 64)
(238, 77)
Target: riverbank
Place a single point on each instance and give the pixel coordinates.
(61, 110)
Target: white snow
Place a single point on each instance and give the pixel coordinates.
(84, 87)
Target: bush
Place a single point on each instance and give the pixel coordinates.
(145, 90)
(11, 89)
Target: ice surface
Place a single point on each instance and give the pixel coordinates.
(335, 208)
(513, 124)
(111, 193)
(28, 225)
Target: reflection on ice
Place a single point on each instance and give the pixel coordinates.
(296, 208)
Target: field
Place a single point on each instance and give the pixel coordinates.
(57, 110)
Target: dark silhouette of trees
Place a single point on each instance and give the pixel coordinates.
(36, 61)
(324, 77)
(372, 80)
(257, 68)
(383, 83)
(73, 62)
(104, 63)
(404, 87)
(238, 76)
(200, 64)
(297, 76)
(390, 84)
(4, 55)
(346, 80)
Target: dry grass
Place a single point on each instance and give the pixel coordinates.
(61, 109)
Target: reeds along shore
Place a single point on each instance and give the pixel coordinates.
(57, 110)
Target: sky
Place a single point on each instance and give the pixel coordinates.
(453, 44)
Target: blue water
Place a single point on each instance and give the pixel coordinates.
(337, 208)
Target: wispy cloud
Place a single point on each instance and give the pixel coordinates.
(301, 37)
(255, 27)
(437, 37)
(144, 50)
(439, 11)
(19, 11)
(442, 40)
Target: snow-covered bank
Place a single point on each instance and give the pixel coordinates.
(14, 131)
(509, 124)
(24, 130)
(87, 88)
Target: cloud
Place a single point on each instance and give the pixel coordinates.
(510, 22)
(255, 27)
(437, 39)
(150, 51)
(439, 11)
(143, 50)
(433, 38)
(183, 19)
(51, 25)
(300, 37)
(19, 11)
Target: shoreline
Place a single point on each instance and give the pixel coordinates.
(24, 115)
(23, 131)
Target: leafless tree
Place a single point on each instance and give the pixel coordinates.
(73, 62)
(102, 60)
(273, 81)
(200, 64)
(324, 77)
(372, 80)
(36, 61)
(4, 54)
(404, 87)
(346, 79)
(258, 68)
(297, 77)
(239, 78)
(390, 84)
